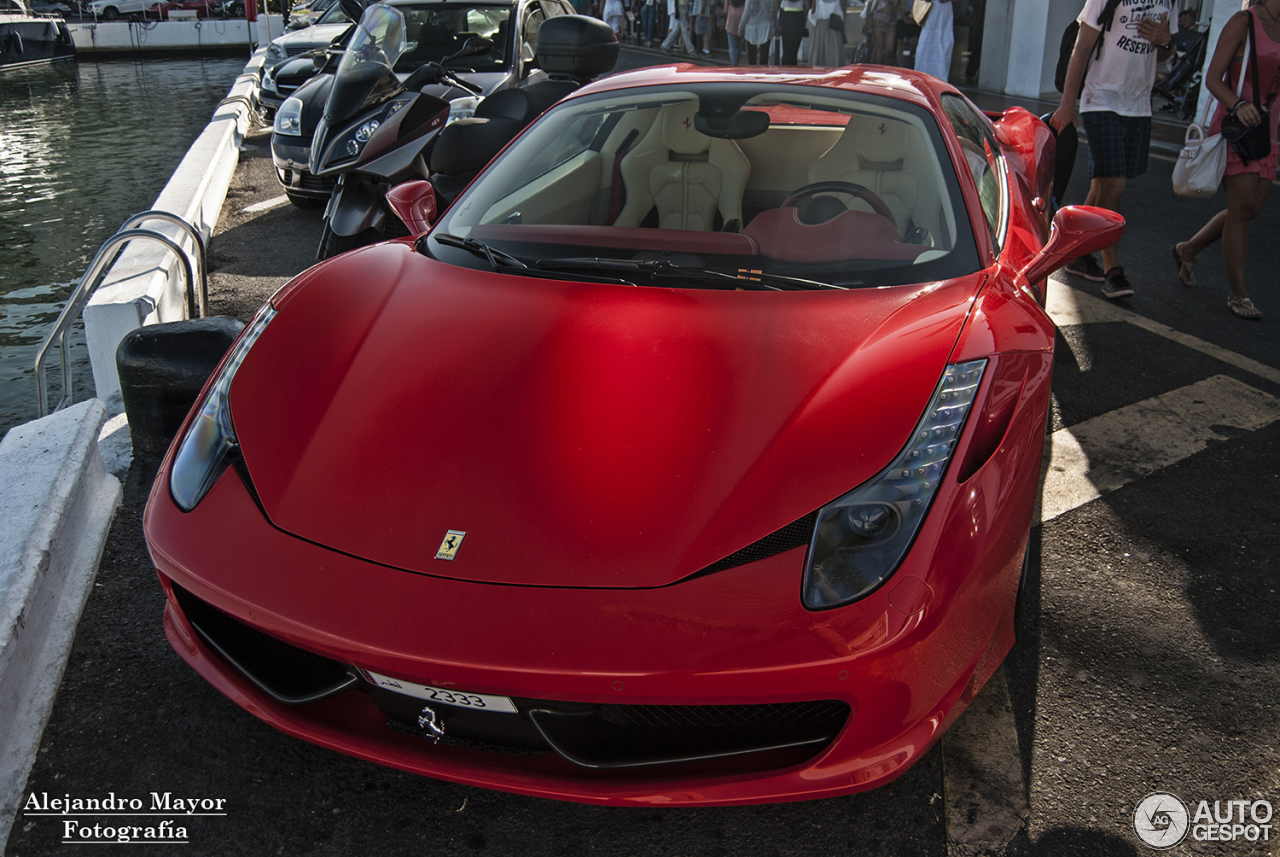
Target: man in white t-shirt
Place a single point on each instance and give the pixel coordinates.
(1125, 40)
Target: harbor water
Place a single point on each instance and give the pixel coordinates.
(82, 147)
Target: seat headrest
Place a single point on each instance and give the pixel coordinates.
(678, 133)
(880, 140)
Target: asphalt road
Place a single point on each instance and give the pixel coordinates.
(1149, 660)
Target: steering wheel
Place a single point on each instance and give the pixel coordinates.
(877, 204)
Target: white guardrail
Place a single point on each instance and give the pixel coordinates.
(58, 499)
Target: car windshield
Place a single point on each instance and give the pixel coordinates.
(720, 185)
(438, 30)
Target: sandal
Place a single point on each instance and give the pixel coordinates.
(1244, 308)
(1190, 279)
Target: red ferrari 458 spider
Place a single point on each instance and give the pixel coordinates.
(688, 458)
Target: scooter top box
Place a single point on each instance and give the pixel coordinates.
(577, 46)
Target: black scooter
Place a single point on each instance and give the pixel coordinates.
(377, 133)
(375, 129)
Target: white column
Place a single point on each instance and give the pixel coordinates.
(1221, 10)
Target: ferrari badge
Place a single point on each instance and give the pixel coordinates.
(449, 547)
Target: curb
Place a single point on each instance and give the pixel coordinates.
(143, 286)
(57, 507)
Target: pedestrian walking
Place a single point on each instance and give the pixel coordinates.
(701, 14)
(1246, 182)
(826, 34)
(791, 18)
(1115, 107)
(758, 18)
(647, 10)
(614, 15)
(937, 40)
(733, 29)
(678, 14)
(882, 24)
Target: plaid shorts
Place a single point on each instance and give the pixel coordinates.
(1117, 144)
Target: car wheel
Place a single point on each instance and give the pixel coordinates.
(333, 244)
(111, 13)
(304, 201)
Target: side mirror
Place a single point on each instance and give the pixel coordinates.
(423, 75)
(353, 9)
(414, 202)
(1076, 230)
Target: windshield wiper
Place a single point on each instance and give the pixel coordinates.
(743, 278)
(499, 261)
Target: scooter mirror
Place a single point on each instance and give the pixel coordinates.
(353, 9)
(472, 47)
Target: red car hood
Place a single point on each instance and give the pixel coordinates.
(579, 434)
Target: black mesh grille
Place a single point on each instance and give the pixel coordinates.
(286, 672)
(765, 716)
(307, 181)
(793, 535)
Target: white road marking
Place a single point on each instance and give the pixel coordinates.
(267, 205)
(986, 795)
(1088, 460)
(1066, 305)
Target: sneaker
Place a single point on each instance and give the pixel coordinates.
(1087, 266)
(1116, 285)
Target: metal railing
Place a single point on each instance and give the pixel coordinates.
(197, 300)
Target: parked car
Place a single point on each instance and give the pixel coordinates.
(202, 8)
(112, 9)
(332, 24)
(689, 457)
(306, 13)
(436, 29)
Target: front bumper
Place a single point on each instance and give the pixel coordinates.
(898, 666)
(291, 157)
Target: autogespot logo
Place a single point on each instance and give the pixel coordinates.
(1161, 820)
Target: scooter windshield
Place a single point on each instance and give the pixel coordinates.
(366, 67)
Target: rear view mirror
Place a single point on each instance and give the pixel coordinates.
(472, 47)
(1076, 230)
(414, 203)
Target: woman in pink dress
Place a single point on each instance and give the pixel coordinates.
(1246, 184)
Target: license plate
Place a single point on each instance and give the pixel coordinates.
(442, 695)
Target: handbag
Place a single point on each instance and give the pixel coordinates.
(920, 11)
(862, 53)
(835, 22)
(1251, 142)
(1203, 160)
(1200, 165)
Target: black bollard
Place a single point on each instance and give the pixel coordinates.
(162, 368)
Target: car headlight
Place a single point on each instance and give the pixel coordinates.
(463, 108)
(861, 538)
(204, 451)
(275, 53)
(289, 118)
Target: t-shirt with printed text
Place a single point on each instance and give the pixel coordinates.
(1120, 78)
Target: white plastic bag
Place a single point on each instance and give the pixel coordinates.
(1200, 165)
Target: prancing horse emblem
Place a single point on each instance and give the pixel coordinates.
(430, 722)
(449, 547)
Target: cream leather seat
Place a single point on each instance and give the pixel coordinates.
(686, 175)
(871, 152)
